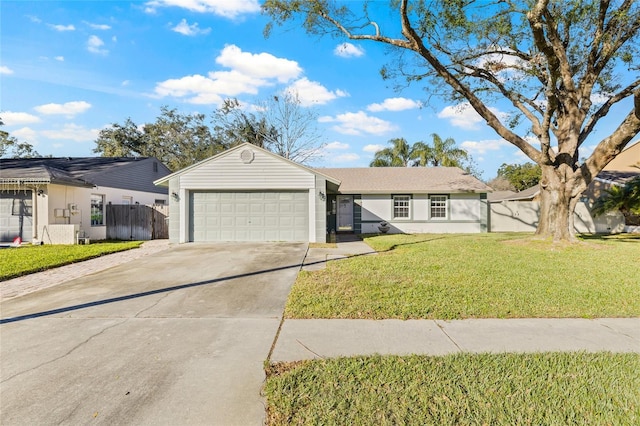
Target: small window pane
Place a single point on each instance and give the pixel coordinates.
(97, 210)
(401, 206)
(438, 206)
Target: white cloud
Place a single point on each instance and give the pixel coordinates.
(373, 148)
(69, 108)
(313, 93)
(62, 27)
(248, 73)
(10, 118)
(26, 134)
(94, 45)
(464, 116)
(102, 27)
(481, 147)
(394, 104)
(337, 145)
(72, 132)
(5, 70)
(345, 158)
(190, 30)
(260, 65)
(34, 19)
(348, 50)
(125, 83)
(114, 39)
(225, 8)
(358, 123)
(59, 58)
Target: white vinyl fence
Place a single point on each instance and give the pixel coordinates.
(523, 216)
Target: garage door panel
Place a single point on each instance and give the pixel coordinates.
(249, 216)
(16, 220)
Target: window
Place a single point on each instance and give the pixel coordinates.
(401, 206)
(438, 207)
(158, 202)
(97, 210)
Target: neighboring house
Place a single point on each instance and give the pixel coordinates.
(519, 212)
(51, 200)
(250, 194)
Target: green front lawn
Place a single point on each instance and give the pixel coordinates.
(475, 276)
(460, 389)
(15, 262)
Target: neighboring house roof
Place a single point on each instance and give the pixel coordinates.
(627, 161)
(386, 180)
(619, 178)
(500, 195)
(128, 173)
(524, 195)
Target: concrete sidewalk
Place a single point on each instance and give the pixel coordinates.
(317, 258)
(309, 339)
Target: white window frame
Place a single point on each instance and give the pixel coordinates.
(394, 207)
(441, 202)
(101, 210)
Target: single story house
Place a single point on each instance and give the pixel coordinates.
(249, 194)
(53, 200)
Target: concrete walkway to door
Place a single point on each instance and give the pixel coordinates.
(178, 338)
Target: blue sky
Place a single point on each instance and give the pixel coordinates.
(69, 69)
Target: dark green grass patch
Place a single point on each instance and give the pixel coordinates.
(460, 389)
(475, 276)
(15, 262)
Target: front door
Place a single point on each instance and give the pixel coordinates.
(345, 212)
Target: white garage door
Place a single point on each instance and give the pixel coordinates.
(16, 215)
(249, 216)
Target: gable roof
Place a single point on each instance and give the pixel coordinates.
(404, 180)
(164, 181)
(78, 171)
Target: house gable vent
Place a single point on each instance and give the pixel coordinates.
(246, 156)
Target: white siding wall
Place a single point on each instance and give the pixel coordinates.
(376, 207)
(464, 214)
(464, 206)
(228, 171)
(59, 197)
(420, 207)
(425, 227)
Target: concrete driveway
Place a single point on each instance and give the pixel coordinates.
(175, 339)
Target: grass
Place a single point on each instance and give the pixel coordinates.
(475, 276)
(15, 262)
(460, 389)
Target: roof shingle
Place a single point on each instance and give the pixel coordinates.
(404, 180)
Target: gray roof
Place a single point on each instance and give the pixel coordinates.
(500, 195)
(526, 194)
(114, 172)
(387, 180)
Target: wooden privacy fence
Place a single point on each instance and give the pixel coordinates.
(137, 222)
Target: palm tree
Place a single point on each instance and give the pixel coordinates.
(402, 154)
(398, 155)
(624, 198)
(444, 153)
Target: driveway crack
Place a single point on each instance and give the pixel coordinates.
(153, 305)
(69, 352)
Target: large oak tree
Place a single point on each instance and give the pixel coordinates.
(548, 60)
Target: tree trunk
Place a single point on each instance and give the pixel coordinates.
(556, 206)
